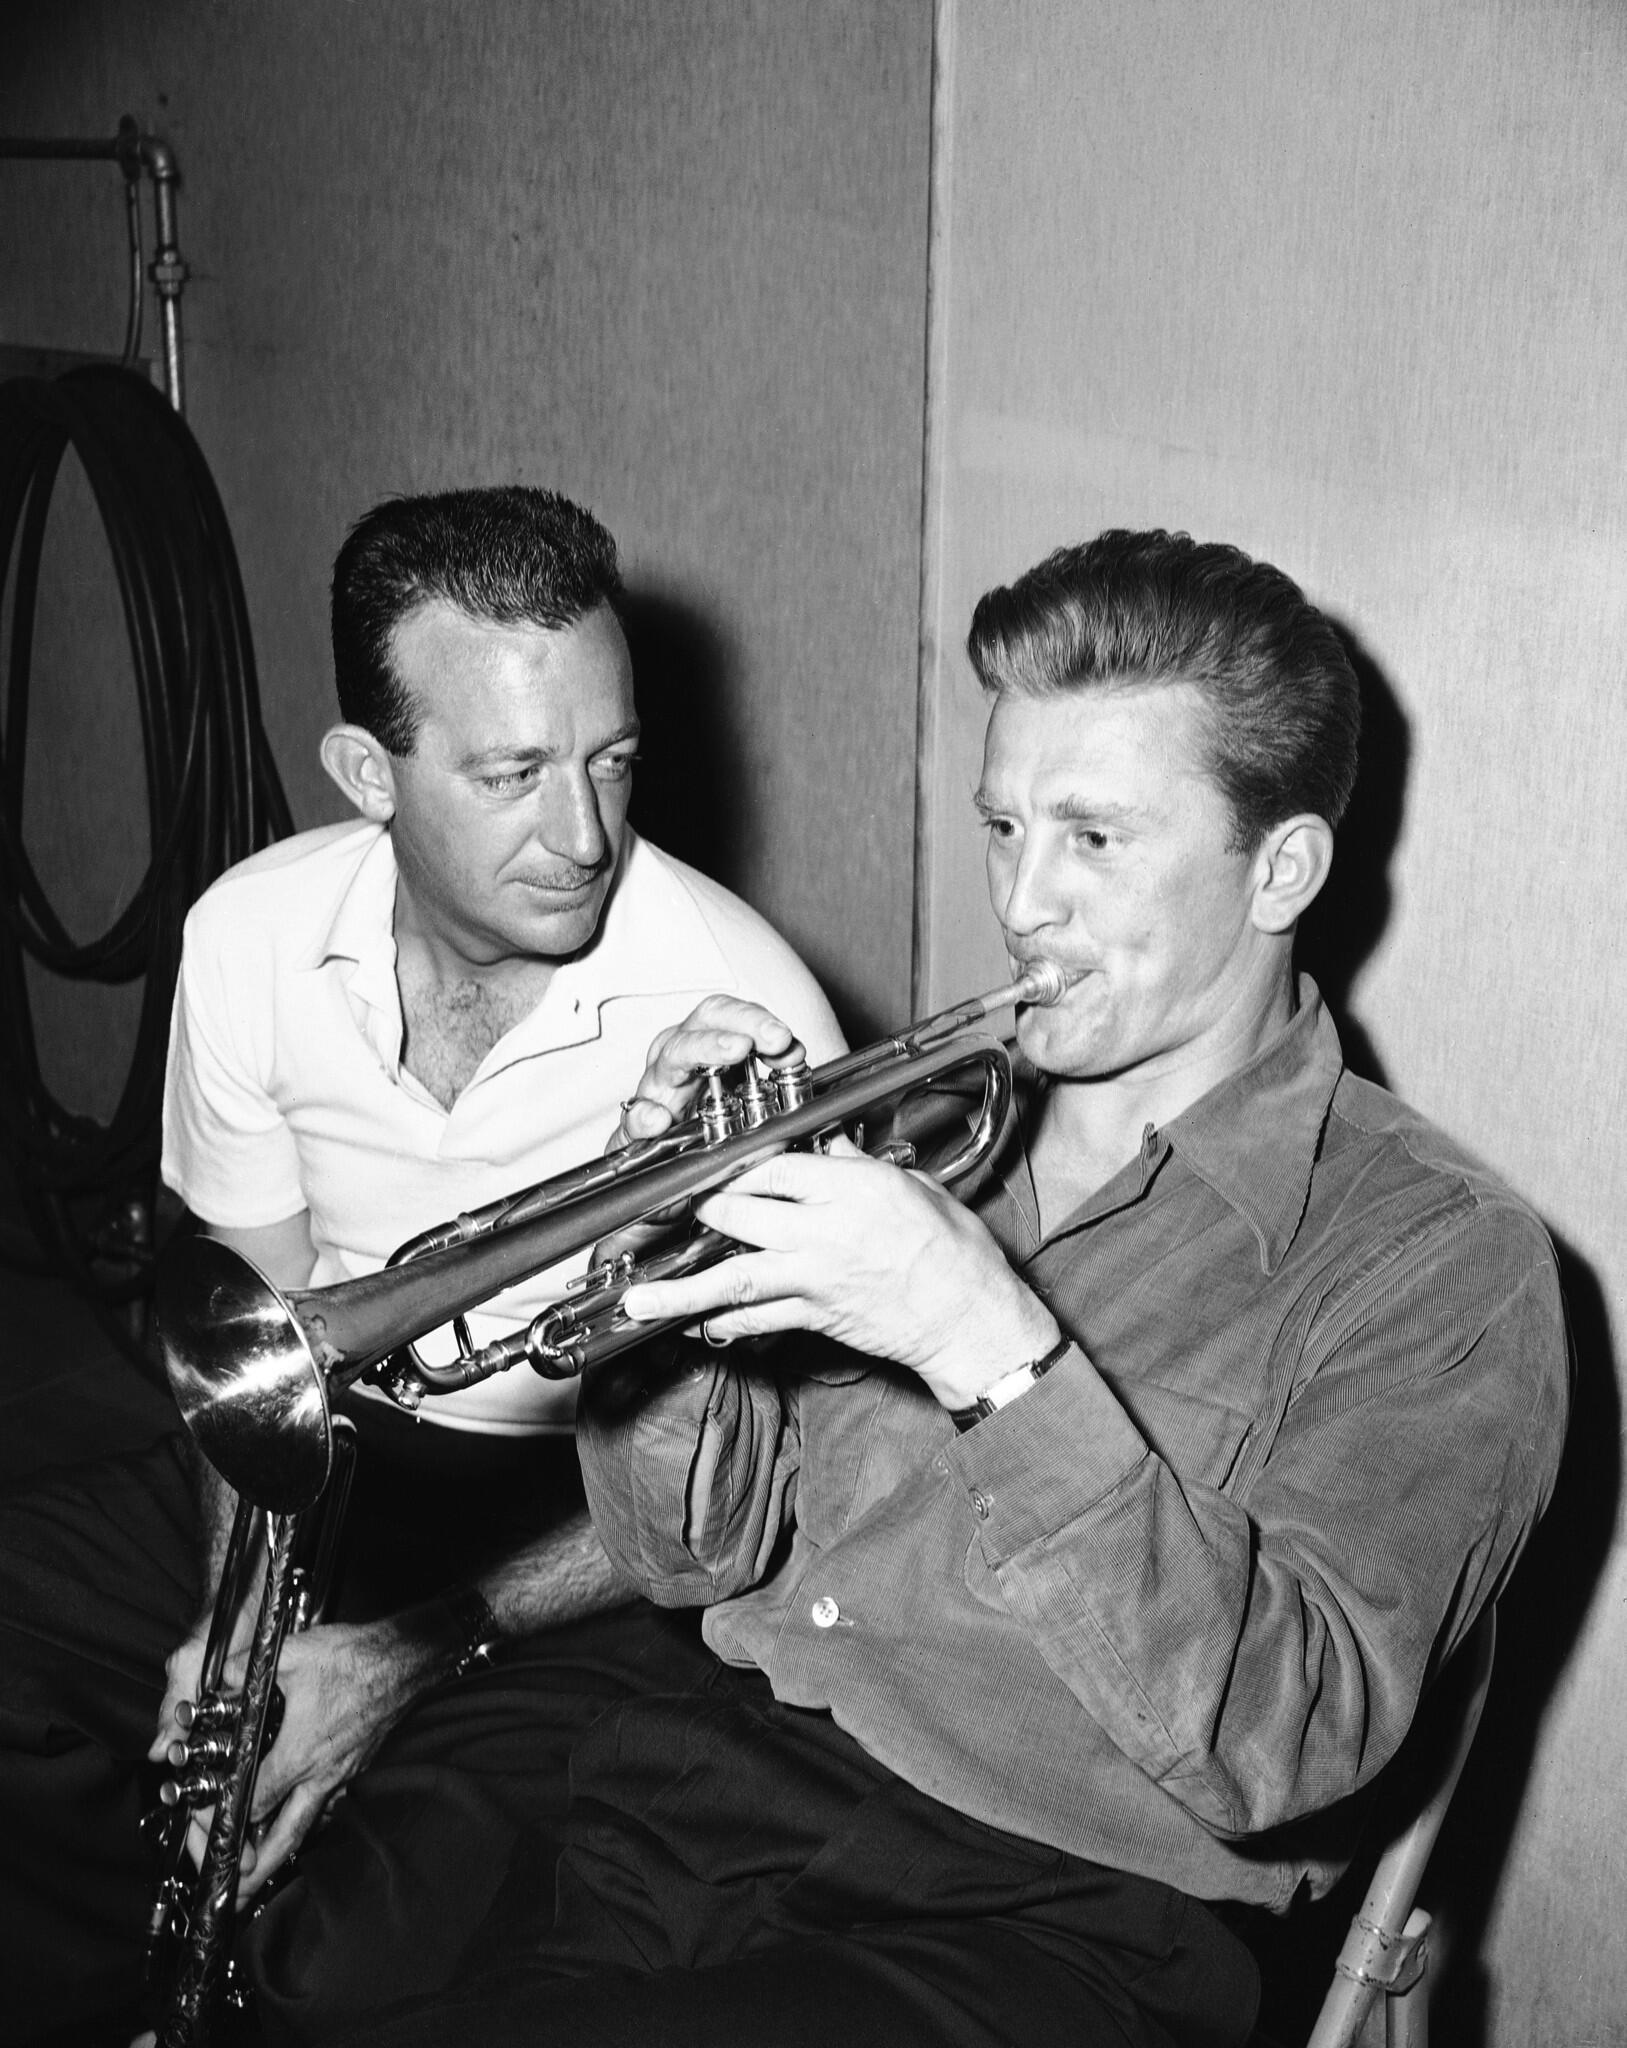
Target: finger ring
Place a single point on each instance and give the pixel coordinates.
(717, 1343)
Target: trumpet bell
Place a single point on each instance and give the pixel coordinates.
(243, 1376)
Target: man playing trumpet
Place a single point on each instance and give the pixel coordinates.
(1091, 1553)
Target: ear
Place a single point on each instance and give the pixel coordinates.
(1289, 869)
(363, 770)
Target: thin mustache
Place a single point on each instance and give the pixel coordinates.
(565, 879)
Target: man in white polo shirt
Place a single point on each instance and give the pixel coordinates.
(377, 1026)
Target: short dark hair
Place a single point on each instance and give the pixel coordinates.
(510, 553)
(1282, 702)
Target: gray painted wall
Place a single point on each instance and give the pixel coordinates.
(1344, 281)
(665, 255)
(1338, 279)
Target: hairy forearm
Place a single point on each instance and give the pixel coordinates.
(561, 1577)
(347, 1685)
(564, 1576)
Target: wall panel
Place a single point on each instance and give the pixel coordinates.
(668, 255)
(1344, 282)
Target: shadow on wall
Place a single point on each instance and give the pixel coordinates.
(689, 793)
(694, 793)
(1541, 1616)
(1348, 918)
(1539, 1621)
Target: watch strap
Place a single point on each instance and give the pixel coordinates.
(477, 1626)
(1009, 1386)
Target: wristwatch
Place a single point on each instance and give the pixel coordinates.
(1009, 1386)
(477, 1626)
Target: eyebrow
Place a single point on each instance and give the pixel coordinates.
(527, 757)
(1084, 809)
(1073, 809)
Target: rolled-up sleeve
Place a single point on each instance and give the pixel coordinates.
(690, 1469)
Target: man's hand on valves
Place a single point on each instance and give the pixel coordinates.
(722, 1031)
(883, 1260)
(880, 1259)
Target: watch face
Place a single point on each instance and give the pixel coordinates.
(1024, 1377)
(1015, 1382)
(1007, 1389)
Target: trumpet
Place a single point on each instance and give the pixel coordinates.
(188, 1976)
(253, 1370)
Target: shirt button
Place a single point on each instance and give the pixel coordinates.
(825, 1612)
(981, 1503)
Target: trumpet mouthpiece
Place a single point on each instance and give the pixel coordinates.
(1043, 983)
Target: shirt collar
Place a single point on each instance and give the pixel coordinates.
(1254, 1138)
(651, 940)
(364, 919)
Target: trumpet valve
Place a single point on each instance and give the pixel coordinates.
(719, 1107)
(759, 1099)
(212, 1749)
(196, 1788)
(212, 1711)
(793, 1084)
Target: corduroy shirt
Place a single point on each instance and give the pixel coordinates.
(1175, 1604)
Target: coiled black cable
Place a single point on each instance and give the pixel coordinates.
(212, 788)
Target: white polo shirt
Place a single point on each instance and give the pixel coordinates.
(285, 1088)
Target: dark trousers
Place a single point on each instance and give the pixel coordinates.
(729, 1869)
(98, 1582)
(607, 1836)
(89, 1608)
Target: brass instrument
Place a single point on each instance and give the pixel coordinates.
(188, 1973)
(252, 1369)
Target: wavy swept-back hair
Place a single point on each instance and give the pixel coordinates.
(1281, 703)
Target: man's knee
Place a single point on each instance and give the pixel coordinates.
(387, 1897)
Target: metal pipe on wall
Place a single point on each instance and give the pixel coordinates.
(167, 270)
(134, 152)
